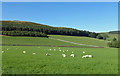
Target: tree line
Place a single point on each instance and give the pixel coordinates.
(14, 28)
(24, 33)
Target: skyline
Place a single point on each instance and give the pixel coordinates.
(87, 16)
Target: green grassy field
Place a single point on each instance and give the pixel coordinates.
(104, 61)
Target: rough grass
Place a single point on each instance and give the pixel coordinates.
(104, 61)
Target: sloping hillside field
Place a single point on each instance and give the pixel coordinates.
(36, 55)
(82, 40)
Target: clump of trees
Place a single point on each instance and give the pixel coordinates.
(114, 43)
(102, 36)
(24, 33)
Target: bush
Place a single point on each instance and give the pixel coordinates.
(114, 39)
(99, 37)
(115, 44)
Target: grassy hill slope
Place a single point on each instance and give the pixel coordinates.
(46, 41)
(82, 40)
(32, 41)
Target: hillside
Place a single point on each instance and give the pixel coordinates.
(85, 42)
(82, 40)
(114, 32)
(111, 35)
(24, 28)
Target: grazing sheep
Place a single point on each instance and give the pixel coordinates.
(60, 50)
(34, 53)
(48, 54)
(73, 55)
(50, 49)
(72, 52)
(24, 52)
(7, 49)
(90, 56)
(67, 50)
(3, 51)
(83, 56)
(83, 51)
(87, 56)
(64, 55)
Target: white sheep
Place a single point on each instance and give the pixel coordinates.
(34, 53)
(48, 54)
(72, 52)
(83, 51)
(83, 56)
(50, 49)
(73, 55)
(60, 50)
(24, 52)
(7, 49)
(3, 51)
(90, 56)
(64, 55)
(54, 49)
(87, 56)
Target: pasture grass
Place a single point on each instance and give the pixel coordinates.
(32, 41)
(82, 40)
(104, 61)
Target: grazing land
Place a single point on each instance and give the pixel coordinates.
(35, 61)
(34, 41)
(82, 40)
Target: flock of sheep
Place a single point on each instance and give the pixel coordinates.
(64, 55)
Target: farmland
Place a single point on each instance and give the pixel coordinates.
(59, 38)
(104, 61)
